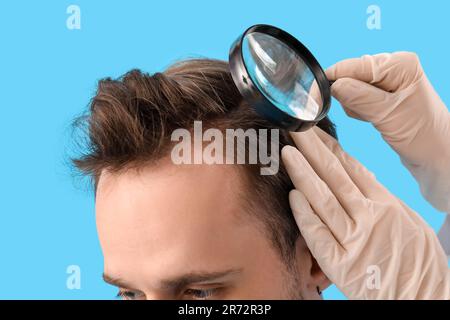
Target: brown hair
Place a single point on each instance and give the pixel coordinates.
(130, 121)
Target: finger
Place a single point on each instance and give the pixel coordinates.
(361, 100)
(387, 71)
(331, 171)
(319, 239)
(363, 178)
(356, 68)
(317, 193)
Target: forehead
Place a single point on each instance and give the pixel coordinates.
(170, 188)
(167, 215)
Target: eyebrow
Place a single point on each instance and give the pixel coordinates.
(179, 282)
(196, 277)
(116, 282)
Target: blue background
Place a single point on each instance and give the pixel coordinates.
(48, 74)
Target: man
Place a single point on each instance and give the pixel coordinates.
(189, 231)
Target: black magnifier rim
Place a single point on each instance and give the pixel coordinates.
(257, 99)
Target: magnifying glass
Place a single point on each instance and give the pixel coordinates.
(279, 77)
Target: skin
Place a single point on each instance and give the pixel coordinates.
(179, 232)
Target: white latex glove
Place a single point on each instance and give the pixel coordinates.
(354, 226)
(392, 92)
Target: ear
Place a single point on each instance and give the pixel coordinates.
(318, 277)
(315, 278)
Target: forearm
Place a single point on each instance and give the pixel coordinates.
(426, 150)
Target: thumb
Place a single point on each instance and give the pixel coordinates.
(361, 100)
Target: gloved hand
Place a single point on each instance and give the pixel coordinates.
(392, 92)
(357, 230)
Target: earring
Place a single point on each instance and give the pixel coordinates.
(318, 291)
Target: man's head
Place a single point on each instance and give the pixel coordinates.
(189, 231)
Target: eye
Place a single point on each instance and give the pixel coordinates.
(200, 294)
(130, 295)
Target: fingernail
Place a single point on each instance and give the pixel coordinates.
(330, 73)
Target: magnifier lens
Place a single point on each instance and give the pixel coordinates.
(282, 76)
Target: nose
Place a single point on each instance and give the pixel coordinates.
(158, 296)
